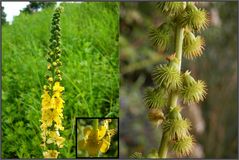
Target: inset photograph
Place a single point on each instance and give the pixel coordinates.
(97, 138)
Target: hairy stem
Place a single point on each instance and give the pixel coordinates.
(173, 98)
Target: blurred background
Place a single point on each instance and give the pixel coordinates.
(113, 151)
(214, 121)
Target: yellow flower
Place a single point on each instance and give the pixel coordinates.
(46, 100)
(57, 87)
(50, 154)
(96, 141)
(54, 137)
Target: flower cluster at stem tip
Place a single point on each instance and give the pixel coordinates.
(170, 83)
(52, 102)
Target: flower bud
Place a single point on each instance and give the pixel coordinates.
(51, 54)
(45, 87)
(50, 79)
(49, 66)
(54, 64)
(60, 63)
(58, 71)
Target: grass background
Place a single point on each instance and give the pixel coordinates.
(90, 73)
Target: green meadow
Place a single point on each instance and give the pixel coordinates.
(90, 73)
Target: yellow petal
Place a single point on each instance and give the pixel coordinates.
(87, 131)
(101, 132)
(50, 140)
(105, 145)
(60, 141)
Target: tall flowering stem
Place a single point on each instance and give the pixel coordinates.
(184, 19)
(52, 102)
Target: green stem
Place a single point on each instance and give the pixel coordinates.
(95, 124)
(173, 98)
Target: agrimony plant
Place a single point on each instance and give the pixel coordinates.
(52, 102)
(184, 19)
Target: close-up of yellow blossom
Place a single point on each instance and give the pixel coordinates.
(96, 140)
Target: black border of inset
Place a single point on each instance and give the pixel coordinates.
(76, 137)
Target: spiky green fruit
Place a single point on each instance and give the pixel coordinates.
(177, 128)
(167, 76)
(194, 18)
(160, 36)
(183, 146)
(194, 92)
(155, 97)
(193, 47)
(171, 8)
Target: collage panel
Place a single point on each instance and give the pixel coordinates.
(60, 62)
(203, 124)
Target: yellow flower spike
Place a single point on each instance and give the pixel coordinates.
(50, 154)
(52, 102)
